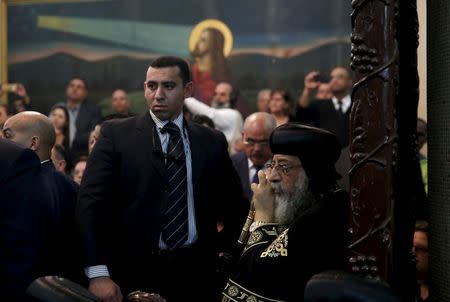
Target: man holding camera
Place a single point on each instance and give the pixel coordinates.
(333, 113)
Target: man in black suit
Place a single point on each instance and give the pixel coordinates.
(83, 116)
(300, 219)
(330, 114)
(126, 199)
(24, 216)
(255, 139)
(35, 131)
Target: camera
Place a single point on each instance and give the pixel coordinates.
(321, 78)
(8, 87)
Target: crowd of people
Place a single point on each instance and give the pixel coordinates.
(77, 120)
(130, 201)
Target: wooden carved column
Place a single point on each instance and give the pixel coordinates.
(383, 148)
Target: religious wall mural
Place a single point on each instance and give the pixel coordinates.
(210, 42)
(253, 44)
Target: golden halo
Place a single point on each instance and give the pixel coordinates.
(212, 23)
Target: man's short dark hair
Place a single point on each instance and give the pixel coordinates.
(203, 119)
(112, 116)
(185, 72)
(421, 127)
(421, 225)
(60, 152)
(81, 79)
(421, 132)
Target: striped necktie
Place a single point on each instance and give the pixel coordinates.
(175, 229)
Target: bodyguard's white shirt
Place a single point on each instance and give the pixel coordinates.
(164, 138)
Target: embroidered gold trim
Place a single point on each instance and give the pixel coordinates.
(278, 247)
(257, 224)
(255, 237)
(237, 293)
(272, 232)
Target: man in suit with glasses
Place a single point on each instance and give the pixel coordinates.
(255, 140)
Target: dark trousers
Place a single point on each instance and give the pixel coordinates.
(185, 274)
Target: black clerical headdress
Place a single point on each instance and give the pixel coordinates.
(317, 149)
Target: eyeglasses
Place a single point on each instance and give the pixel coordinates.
(252, 142)
(280, 167)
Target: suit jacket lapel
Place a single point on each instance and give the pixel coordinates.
(82, 112)
(196, 152)
(244, 174)
(149, 142)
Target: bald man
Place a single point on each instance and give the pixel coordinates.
(34, 130)
(31, 130)
(255, 139)
(120, 103)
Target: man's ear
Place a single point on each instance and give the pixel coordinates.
(35, 142)
(188, 90)
(62, 164)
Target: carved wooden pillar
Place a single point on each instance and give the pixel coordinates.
(382, 132)
(373, 136)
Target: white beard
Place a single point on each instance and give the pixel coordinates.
(218, 105)
(288, 204)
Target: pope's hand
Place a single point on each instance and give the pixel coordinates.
(263, 199)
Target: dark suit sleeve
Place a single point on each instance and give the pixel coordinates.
(88, 117)
(308, 115)
(233, 206)
(94, 117)
(94, 200)
(25, 231)
(66, 244)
